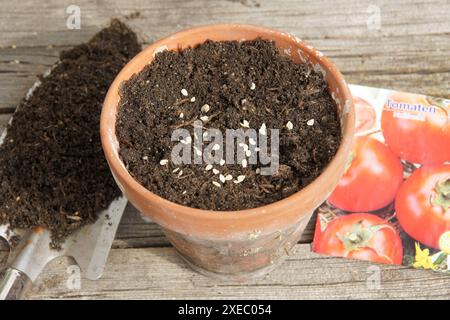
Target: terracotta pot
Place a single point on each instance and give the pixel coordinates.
(232, 244)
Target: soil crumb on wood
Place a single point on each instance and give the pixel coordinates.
(52, 168)
(247, 83)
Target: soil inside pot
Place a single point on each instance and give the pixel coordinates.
(227, 85)
(52, 168)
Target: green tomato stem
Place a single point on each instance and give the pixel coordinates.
(442, 197)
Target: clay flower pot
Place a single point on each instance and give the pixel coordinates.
(232, 244)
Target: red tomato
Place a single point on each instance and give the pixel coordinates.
(361, 236)
(365, 115)
(371, 180)
(425, 140)
(423, 204)
(369, 254)
(318, 231)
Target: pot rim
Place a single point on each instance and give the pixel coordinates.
(270, 211)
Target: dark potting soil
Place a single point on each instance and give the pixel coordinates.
(241, 82)
(52, 168)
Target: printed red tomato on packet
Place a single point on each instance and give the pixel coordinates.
(392, 204)
(360, 236)
(365, 115)
(371, 179)
(423, 204)
(415, 129)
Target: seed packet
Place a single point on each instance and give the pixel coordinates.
(392, 204)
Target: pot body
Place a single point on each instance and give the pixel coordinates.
(232, 244)
(250, 256)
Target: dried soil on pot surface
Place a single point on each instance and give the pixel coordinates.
(241, 83)
(52, 168)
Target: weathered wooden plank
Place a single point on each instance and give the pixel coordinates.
(137, 274)
(45, 22)
(409, 52)
(419, 65)
(135, 232)
(19, 69)
(4, 119)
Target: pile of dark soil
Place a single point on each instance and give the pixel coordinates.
(52, 168)
(246, 82)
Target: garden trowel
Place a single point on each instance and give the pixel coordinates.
(89, 246)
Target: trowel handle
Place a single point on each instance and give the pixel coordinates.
(13, 284)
